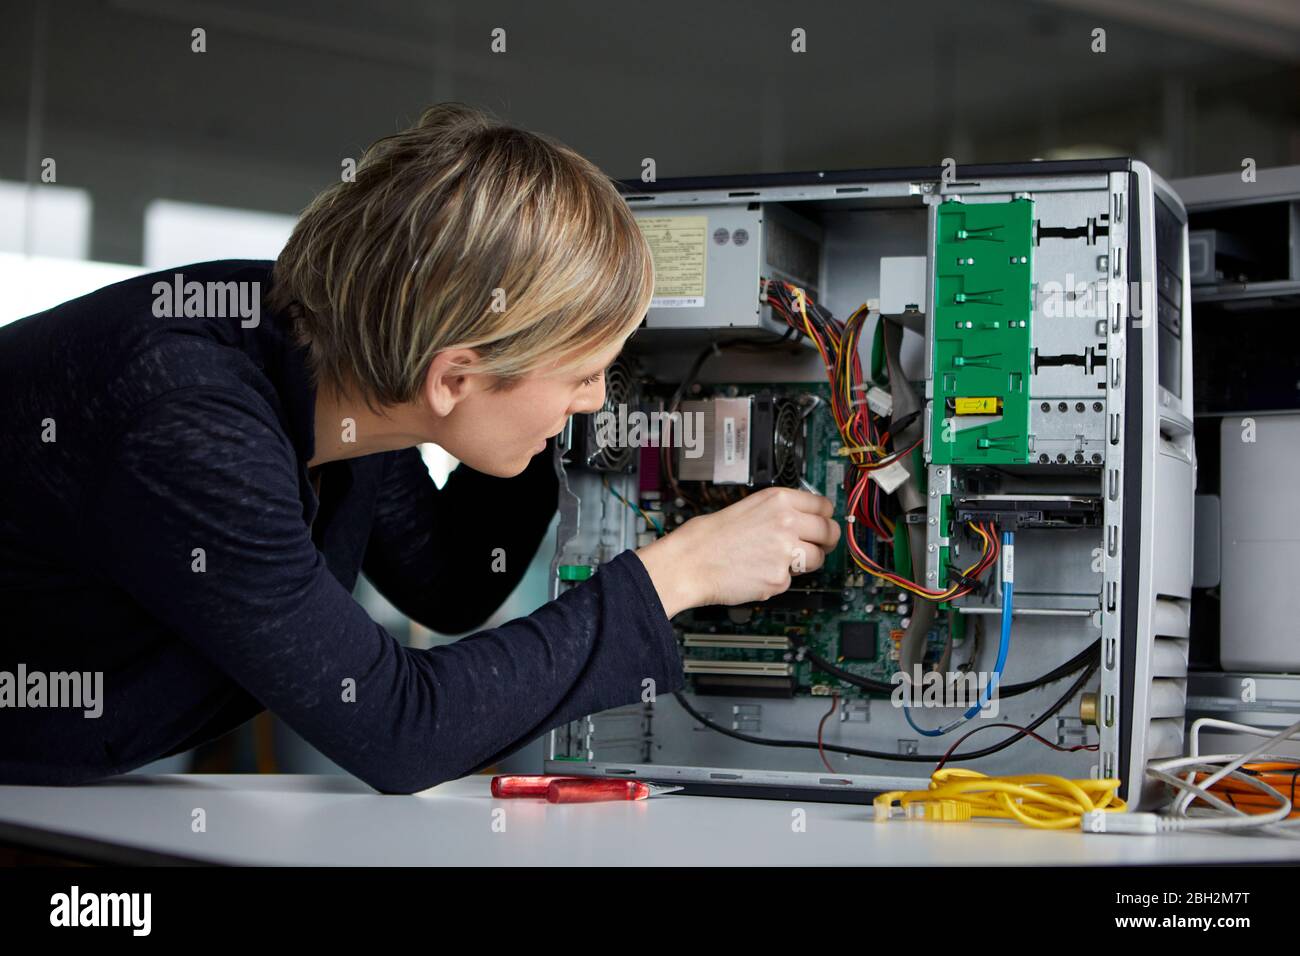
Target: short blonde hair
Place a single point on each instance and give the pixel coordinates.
(462, 232)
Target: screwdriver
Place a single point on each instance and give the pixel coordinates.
(562, 789)
(592, 791)
(523, 784)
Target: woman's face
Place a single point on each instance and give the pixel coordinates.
(499, 432)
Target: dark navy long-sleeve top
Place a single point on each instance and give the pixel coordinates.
(158, 525)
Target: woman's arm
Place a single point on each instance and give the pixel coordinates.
(449, 557)
(261, 604)
(432, 552)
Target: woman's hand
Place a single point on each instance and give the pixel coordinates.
(743, 553)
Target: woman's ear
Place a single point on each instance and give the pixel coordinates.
(450, 379)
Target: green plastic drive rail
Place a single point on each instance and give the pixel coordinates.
(983, 304)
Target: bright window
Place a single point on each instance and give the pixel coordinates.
(178, 233)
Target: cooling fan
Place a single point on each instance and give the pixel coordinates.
(777, 454)
(787, 444)
(587, 449)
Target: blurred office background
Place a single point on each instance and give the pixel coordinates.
(165, 156)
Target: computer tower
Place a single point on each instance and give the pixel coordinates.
(1021, 335)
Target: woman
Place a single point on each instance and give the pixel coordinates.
(199, 463)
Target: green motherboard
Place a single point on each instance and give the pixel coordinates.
(843, 614)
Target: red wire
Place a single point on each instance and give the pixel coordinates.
(948, 754)
(856, 425)
(835, 702)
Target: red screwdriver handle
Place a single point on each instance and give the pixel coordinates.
(573, 790)
(523, 784)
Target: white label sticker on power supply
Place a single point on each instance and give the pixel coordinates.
(677, 302)
(890, 477)
(679, 248)
(728, 441)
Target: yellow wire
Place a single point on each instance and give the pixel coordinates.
(841, 370)
(858, 449)
(918, 591)
(800, 302)
(650, 525)
(1040, 800)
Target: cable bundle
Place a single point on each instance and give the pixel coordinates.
(1254, 790)
(866, 439)
(1040, 800)
(1281, 776)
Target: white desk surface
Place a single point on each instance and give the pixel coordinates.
(337, 820)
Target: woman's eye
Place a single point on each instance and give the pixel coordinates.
(593, 379)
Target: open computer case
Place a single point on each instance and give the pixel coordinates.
(1022, 343)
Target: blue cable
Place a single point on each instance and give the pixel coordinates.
(1004, 645)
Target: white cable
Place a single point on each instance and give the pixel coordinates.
(1219, 767)
(1236, 818)
(1189, 791)
(1194, 733)
(1278, 737)
(1228, 725)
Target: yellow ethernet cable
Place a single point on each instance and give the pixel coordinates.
(1040, 800)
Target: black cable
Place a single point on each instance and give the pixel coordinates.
(882, 755)
(897, 427)
(817, 314)
(1009, 690)
(1069, 667)
(709, 350)
(712, 349)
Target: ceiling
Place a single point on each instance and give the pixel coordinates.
(286, 90)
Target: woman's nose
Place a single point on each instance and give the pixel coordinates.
(591, 400)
